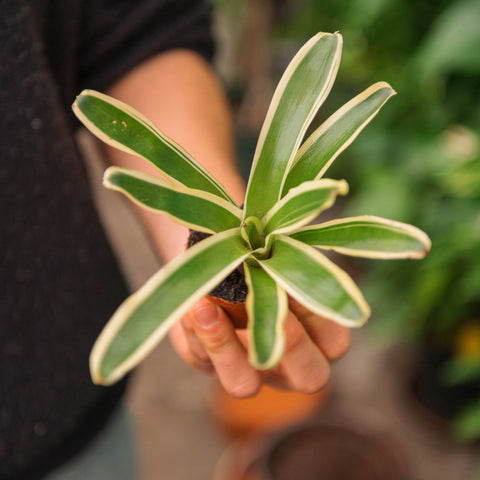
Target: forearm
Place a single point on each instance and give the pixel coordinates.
(178, 91)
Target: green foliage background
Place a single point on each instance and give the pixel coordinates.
(419, 161)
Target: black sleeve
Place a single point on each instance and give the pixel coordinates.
(115, 35)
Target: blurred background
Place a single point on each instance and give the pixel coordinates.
(419, 159)
(410, 387)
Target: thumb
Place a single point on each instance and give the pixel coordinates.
(206, 314)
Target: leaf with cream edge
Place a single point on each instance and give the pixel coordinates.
(316, 282)
(367, 236)
(195, 209)
(333, 136)
(302, 204)
(284, 193)
(267, 308)
(145, 317)
(123, 127)
(301, 91)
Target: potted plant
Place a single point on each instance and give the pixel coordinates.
(270, 237)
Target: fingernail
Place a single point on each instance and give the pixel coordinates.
(206, 314)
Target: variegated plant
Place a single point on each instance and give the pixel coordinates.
(270, 236)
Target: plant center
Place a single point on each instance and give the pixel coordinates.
(253, 233)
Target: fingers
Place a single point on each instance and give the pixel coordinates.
(207, 340)
(304, 368)
(187, 345)
(333, 339)
(213, 334)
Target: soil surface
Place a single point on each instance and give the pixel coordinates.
(233, 288)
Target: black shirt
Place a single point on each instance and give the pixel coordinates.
(59, 282)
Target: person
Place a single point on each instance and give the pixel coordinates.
(59, 279)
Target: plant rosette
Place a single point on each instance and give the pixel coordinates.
(270, 237)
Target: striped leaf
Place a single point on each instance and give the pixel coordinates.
(121, 126)
(336, 134)
(367, 236)
(299, 94)
(267, 308)
(302, 204)
(195, 209)
(316, 282)
(145, 317)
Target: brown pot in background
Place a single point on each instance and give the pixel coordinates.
(336, 449)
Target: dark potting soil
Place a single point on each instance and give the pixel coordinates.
(233, 288)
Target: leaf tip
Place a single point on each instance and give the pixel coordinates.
(266, 365)
(95, 373)
(424, 240)
(366, 317)
(343, 187)
(97, 379)
(339, 36)
(427, 245)
(365, 311)
(107, 175)
(335, 36)
(382, 84)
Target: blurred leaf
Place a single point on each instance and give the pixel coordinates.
(466, 426)
(453, 42)
(460, 370)
(391, 187)
(365, 13)
(415, 164)
(462, 180)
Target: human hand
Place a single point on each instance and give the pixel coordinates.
(207, 340)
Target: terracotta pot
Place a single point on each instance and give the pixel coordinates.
(271, 409)
(236, 311)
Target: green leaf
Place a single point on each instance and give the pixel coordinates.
(334, 135)
(145, 317)
(316, 282)
(451, 43)
(367, 236)
(299, 94)
(252, 232)
(267, 308)
(195, 209)
(121, 126)
(461, 369)
(302, 204)
(466, 426)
